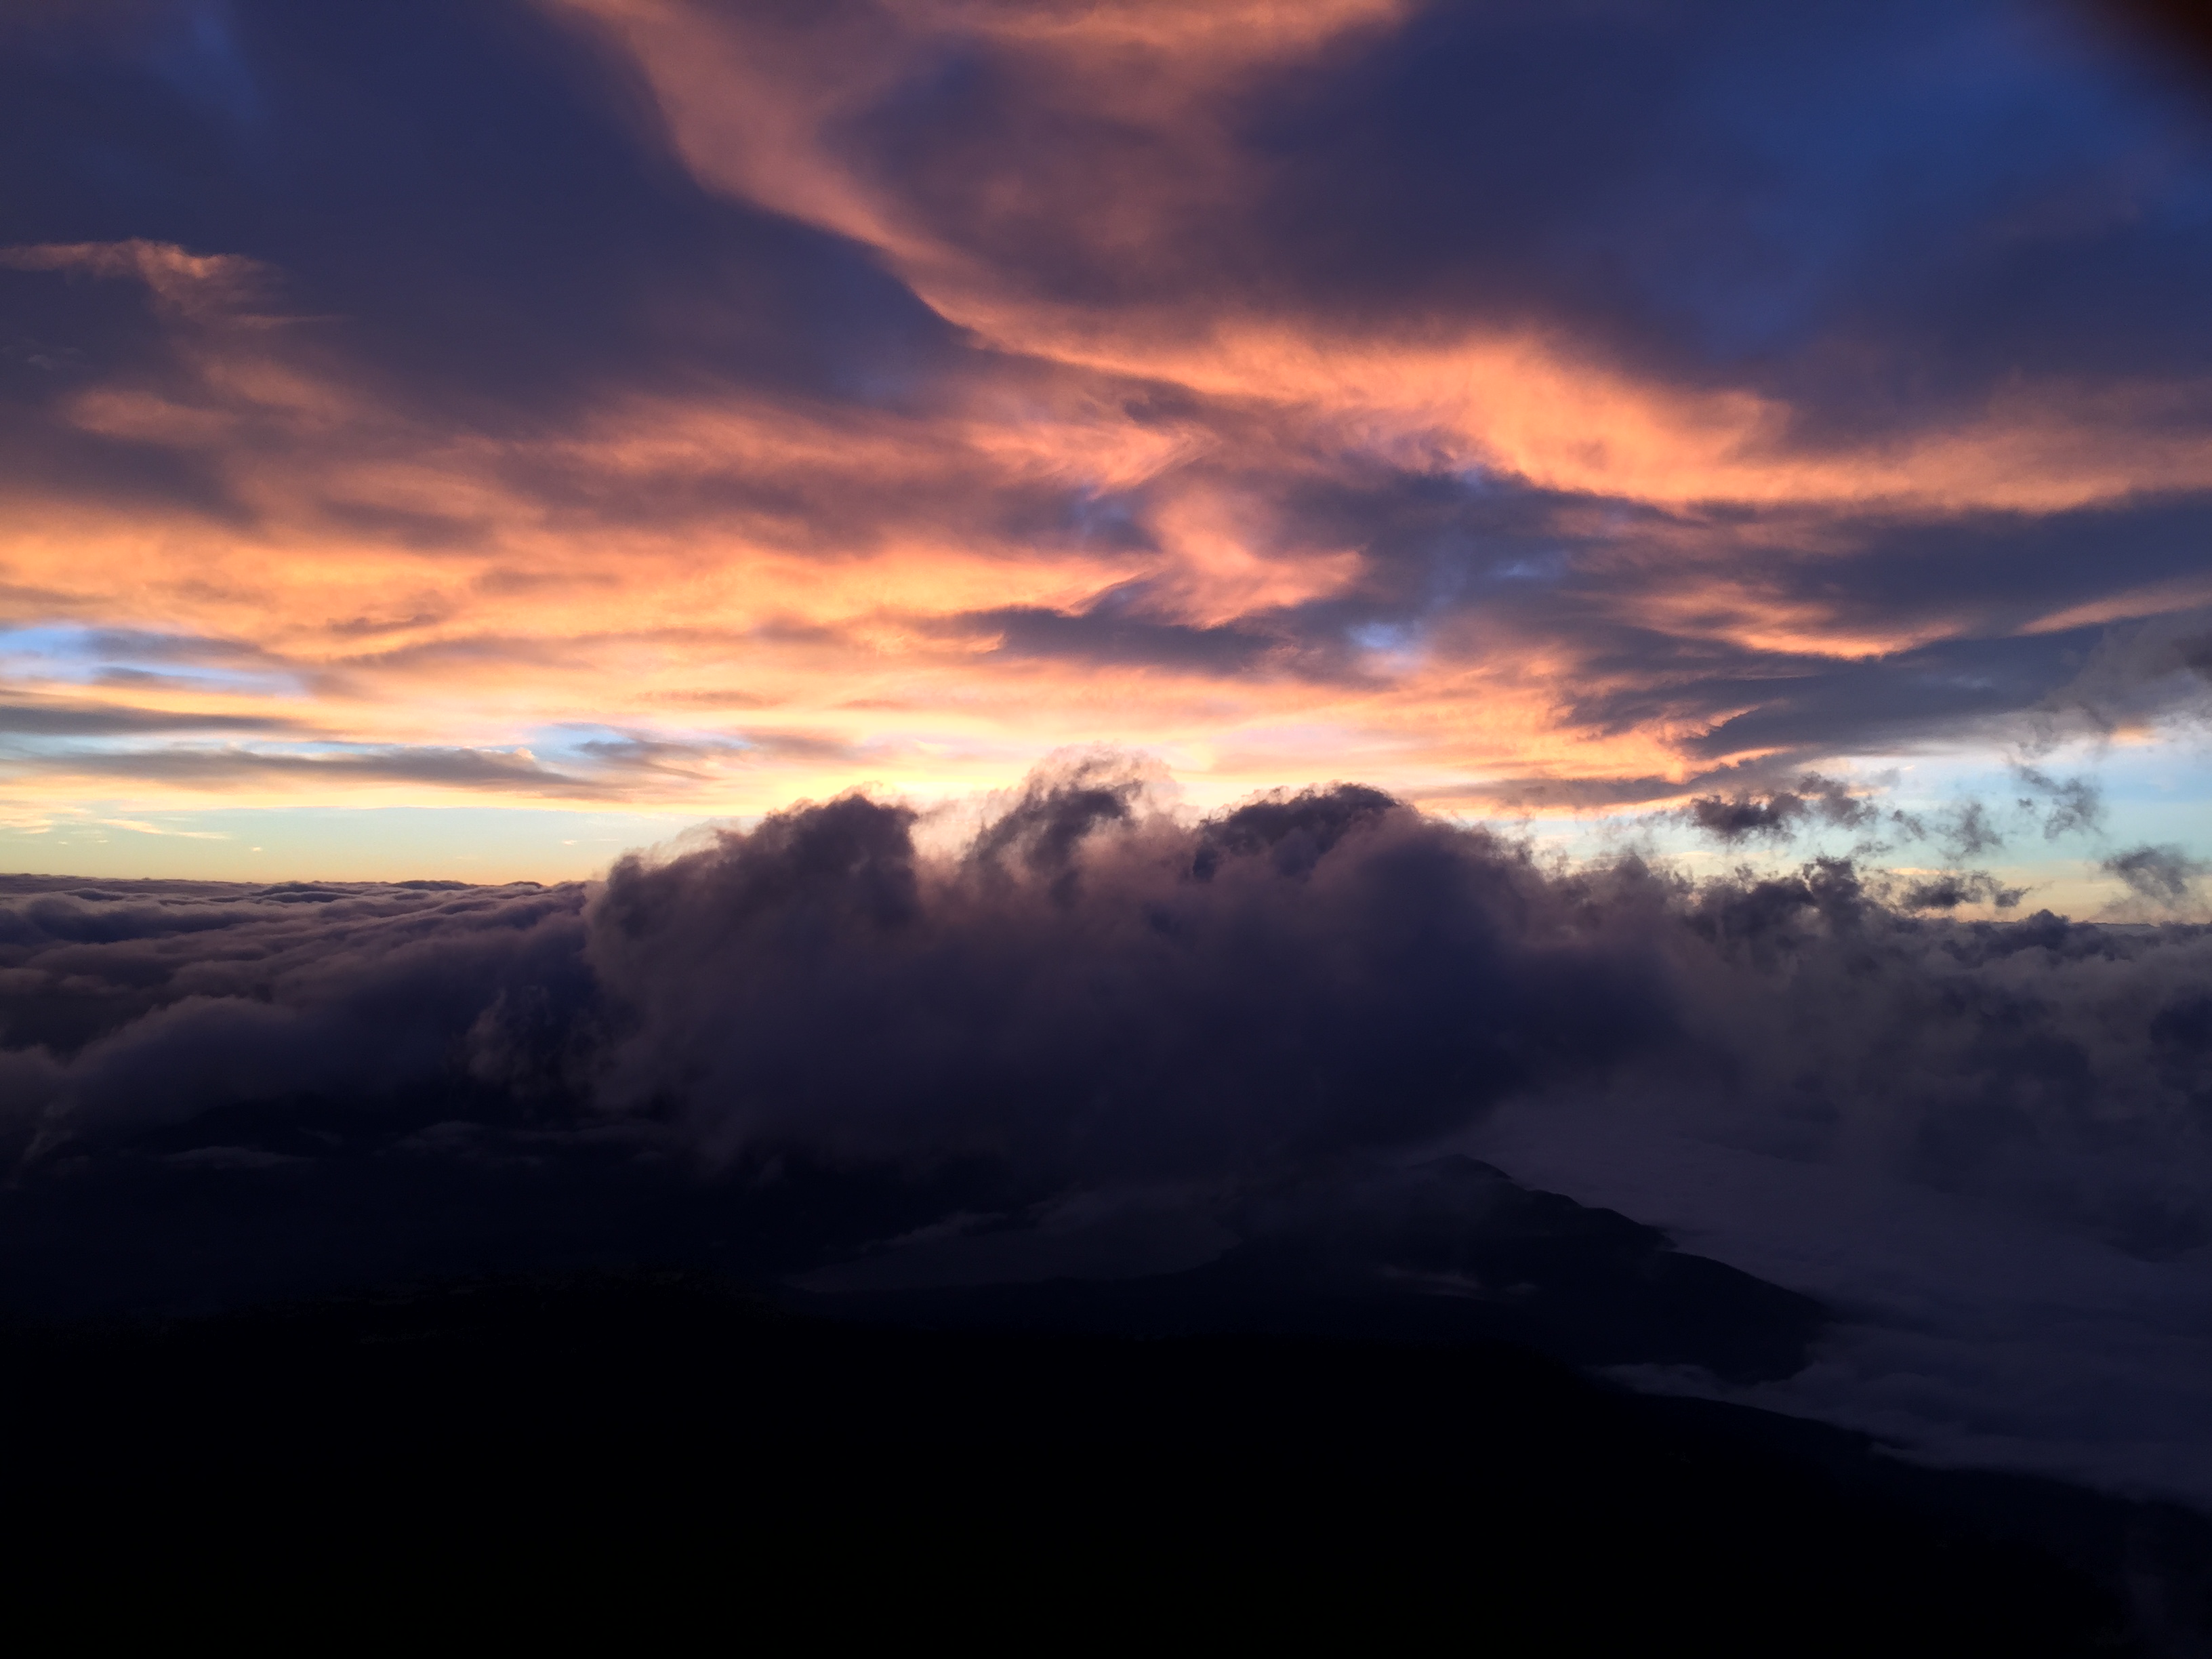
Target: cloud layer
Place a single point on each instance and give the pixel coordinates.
(677, 403)
(1093, 1040)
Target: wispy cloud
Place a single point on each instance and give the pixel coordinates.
(1166, 380)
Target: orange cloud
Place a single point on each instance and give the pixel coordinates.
(791, 601)
(753, 106)
(1165, 505)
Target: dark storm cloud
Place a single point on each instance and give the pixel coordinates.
(1744, 817)
(1222, 1067)
(2165, 875)
(474, 340)
(1123, 983)
(442, 285)
(1969, 832)
(1824, 706)
(1703, 186)
(1444, 555)
(1950, 892)
(445, 191)
(1090, 995)
(145, 1001)
(51, 718)
(1966, 830)
(1114, 631)
(1302, 977)
(2072, 805)
(1774, 817)
(1988, 573)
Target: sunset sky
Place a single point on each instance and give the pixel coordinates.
(1524, 676)
(448, 440)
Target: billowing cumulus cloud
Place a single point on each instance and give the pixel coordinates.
(677, 403)
(1091, 1041)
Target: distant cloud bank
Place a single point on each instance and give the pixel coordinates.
(795, 1046)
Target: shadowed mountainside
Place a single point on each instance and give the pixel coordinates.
(627, 1447)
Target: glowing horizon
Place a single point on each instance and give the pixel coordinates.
(695, 412)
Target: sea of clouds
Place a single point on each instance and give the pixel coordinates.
(1983, 1144)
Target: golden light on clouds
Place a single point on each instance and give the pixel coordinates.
(1138, 475)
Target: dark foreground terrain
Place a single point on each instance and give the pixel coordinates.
(627, 1453)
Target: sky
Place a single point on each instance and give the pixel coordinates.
(468, 442)
(1539, 671)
